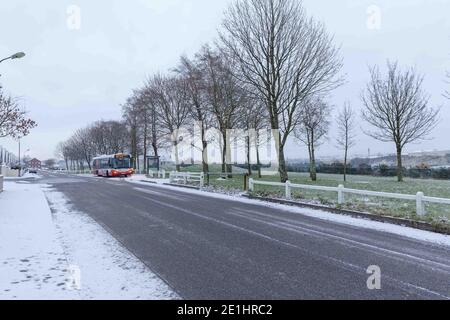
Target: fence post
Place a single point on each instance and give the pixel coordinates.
(250, 185)
(202, 180)
(341, 195)
(420, 208)
(288, 190)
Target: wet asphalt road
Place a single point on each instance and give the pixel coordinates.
(208, 248)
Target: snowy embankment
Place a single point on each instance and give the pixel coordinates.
(26, 176)
(64, 254)
(417, 234)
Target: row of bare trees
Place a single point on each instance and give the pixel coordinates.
(201, 90)
(270, 68)
(273, 67)
(100, 138)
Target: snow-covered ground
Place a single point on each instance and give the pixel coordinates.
(143, 178)
(26, 176)
(432, 237)
(63, 254)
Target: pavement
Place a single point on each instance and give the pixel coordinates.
(212, 248)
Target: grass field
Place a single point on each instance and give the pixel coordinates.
(436, 213)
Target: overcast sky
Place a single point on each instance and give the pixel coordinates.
(72, 76)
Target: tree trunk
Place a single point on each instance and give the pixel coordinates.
(249, 164)
(224, 160)
(229, 165)
(258, 162)
(177, 159)
(204, 152)
(345, 164)
(282, 164)
(399, 164)
(89, 163)
(155, 150)
(280, 154)
(313, 171)
(134, 151)
(145, 148)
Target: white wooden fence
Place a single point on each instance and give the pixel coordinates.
(188, 177)
(161, 174)
(419, 198)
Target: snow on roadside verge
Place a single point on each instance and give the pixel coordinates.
(103, 268)
(32, 261)
(412, 233)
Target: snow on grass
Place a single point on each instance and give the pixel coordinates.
(107, 269)
(417, 234)
(143, 177)
(436, 213)
(26, 176)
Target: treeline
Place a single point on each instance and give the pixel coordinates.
(272, 66)
(382, 170)
(100, 138)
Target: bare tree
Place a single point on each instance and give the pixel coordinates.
(253, 119)
(62, 153)
(397, 107)
(170, 98)
(13, 121)
(224, 97)
(313, 128)
(82, 140)
(130, 114)
(50, 163)
(102, 137)
(148, 120)
(191, 71)
(285, 55)
(346, 136)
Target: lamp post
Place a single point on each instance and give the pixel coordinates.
(17, 55)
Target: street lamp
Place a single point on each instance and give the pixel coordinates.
(17, 55)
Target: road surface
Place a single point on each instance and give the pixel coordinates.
(208, 248)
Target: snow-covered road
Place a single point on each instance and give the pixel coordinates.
(61, 254)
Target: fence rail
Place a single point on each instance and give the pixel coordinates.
(420, 198)
(161, 174)
(188, 177)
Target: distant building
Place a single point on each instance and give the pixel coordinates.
(35, 163)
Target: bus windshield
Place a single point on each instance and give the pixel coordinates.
(124, 163)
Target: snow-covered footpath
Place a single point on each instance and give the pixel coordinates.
(57, 253)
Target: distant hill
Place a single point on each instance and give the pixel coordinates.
(431, 159)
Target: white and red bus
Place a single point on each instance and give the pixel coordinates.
(116, 165)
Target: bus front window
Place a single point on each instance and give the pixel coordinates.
(124, 163)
